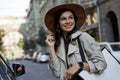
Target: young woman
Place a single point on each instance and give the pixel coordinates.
(64, 22)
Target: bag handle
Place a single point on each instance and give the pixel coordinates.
(76, 76)
(81, 50)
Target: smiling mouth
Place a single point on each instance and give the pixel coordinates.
(68, 26)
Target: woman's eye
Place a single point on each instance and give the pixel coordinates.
(63, 19)
(71, 17)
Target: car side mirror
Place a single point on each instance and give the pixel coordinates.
(18, 69)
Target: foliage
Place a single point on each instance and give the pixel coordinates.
(1, 42)
(29, 44)
(32, 44)
(21, 43)
(42, 37)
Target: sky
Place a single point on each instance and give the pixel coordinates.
(13, 7)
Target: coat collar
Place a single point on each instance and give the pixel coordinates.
(72, 46)
(72, 49)
(76, 34)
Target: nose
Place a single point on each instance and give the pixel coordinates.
(67, 20)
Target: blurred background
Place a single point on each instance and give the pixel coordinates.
(23, 33)
(23, 28)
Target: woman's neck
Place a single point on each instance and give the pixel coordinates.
(65, 34)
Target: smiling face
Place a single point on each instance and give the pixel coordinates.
(67, 22)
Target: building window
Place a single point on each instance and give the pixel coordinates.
(95, 18)
(88, 20)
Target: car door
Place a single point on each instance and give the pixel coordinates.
(5, 71)
(112, 71)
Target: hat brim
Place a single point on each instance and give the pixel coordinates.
(76, 8)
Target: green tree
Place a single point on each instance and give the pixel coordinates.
(42, 37)
(21, 43)
(1, 42)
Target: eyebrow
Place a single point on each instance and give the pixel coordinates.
(70, 15)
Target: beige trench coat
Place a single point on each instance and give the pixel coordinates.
(92, 52)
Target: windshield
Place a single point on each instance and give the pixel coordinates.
(115, 47)
(5, 72)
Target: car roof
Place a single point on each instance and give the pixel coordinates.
(107, 43)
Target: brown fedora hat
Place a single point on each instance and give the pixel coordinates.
(76, 8)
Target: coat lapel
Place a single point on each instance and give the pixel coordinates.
(72, 49)
(61, 52)
(72, 46)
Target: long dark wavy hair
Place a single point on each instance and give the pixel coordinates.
(58, 33)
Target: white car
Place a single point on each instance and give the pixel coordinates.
(10, 72)
(112, 72)
(43, 57)
(40, 57)
(113, 47)
(35, 54)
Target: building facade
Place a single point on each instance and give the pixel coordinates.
(110, 20)
(102, 22)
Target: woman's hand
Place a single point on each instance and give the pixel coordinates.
(72, 70)
(50, 40)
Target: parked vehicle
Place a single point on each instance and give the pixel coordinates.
(40, 57)
(43, 57)
(18, 56)
(113, 47)
(28, 57)
(111, 72)
(6, 73)
(34, 57)
(28, 54)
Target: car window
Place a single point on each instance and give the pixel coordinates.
(1, 76)
(44, 53)
(5, 71)
(104, 46)
(115, 47)
(2, 65)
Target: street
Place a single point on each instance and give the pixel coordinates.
(35, 71)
